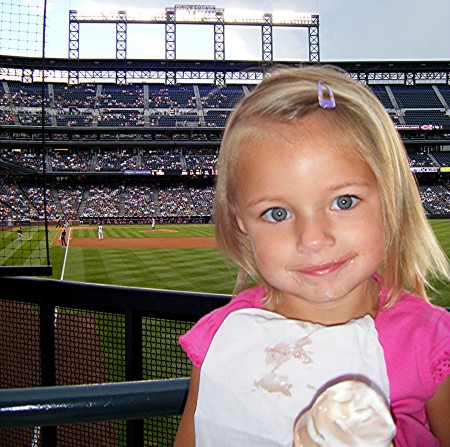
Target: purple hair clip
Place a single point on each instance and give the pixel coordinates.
(325, 103)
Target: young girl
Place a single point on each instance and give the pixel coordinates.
(316, 203)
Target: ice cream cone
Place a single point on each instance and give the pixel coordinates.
(347, 413)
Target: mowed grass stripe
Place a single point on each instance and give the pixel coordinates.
(30, 252)
(201, 270)
(26, 253)
(181, 267)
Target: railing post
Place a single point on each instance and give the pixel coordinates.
(48, 363)
(133, 369)
(47, 341)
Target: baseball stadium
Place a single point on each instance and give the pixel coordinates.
(107, 184)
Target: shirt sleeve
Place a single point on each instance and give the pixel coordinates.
(197, 340)
(439, 350)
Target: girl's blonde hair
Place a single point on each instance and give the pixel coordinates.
(412, 254)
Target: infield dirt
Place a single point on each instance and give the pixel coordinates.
(142, 242)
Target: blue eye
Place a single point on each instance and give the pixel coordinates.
(276, 214)
(344, 202)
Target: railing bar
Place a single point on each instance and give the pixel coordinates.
(186, 306)
(59, 405)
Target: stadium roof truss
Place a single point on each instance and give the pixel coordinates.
(196, 15)
(220, 73)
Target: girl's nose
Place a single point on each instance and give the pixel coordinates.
(314, 233)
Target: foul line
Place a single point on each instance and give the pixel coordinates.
(65, 255)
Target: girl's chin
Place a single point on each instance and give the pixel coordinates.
(324, 292)
(324, 296)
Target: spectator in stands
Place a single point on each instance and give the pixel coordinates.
(173, 201)
(103, 201)
(76, 161)
(316, 203)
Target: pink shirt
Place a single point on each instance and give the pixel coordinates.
(415, 337)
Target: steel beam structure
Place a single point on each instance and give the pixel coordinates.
(219, 37)
(121, 46)
(74, 44)
(313, 34)
(27, 69)
(195, 15)
(267, 48)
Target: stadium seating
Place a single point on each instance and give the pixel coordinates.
(176, 111)
(416, 96)
(443, 158)
(170, 105)
(427, 116)
(382, 94)
(436, 199)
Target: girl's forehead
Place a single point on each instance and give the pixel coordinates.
(306, 136)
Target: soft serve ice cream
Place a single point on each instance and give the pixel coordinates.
(348, 413)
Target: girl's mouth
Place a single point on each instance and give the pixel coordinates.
(323, 269)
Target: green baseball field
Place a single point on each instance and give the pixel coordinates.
(174, 257)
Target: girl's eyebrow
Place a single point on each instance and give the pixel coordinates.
(258, 201)
(350, 184)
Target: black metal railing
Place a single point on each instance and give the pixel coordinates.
(60, 335)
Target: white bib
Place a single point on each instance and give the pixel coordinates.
(262, 369)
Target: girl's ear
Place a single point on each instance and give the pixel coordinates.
(240, 223)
